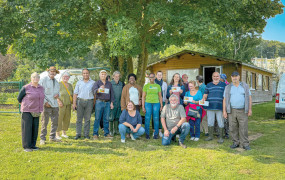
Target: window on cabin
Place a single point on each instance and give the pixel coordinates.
(253, 81)
(191, 73)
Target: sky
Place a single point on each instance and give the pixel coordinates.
(275, 28)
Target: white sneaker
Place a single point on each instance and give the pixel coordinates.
(64, 135)
(196, 139)
(177, 136)
(192, 138)
(132, 137)
(160, 134)
(58, 137)
(123, 140)
(42, 142)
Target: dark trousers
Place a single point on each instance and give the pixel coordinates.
(30, 128)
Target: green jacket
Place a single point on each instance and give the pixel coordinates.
(117, 89)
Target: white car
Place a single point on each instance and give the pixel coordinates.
(280, 98)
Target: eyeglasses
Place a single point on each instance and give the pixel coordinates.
(151, 77)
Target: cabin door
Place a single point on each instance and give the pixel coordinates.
(208, 71)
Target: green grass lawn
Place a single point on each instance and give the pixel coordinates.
(142, 159)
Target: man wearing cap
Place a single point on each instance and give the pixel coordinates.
(83, 102)
(237, 107)
(104, 101)
(202, 87)
(51, 86)
(214, 94)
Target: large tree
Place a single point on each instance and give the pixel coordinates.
(52, 31)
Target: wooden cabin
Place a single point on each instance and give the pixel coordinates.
(195, 63)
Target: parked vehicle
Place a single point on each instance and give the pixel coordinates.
(280, 98)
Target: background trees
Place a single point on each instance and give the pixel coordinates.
(48, 32)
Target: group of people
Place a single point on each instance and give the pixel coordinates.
(180, 108)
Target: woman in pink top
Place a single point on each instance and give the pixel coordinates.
(31, 98)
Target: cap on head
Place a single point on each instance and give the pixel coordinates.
(53, 68)
(103, 71)
(223, 76)
(235, 73)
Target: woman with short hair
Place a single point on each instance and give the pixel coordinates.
(31, 98)
(130, 122)
(65, 101)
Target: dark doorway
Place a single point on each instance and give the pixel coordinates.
(208, 71)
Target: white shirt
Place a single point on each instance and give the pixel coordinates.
(134, 95)
(51, 89)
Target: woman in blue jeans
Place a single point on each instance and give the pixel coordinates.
(131, 123)
(152, 105)
(194, 104)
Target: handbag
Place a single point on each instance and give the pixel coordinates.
(194, 113)
(70, 97)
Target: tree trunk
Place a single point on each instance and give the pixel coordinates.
(121, 61)
(130, 65)
(142, 63)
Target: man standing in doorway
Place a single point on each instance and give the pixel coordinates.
(51, 109)
(214, 94)
(104, 102)
(237, 107)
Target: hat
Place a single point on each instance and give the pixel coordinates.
(223, 76)
(103, 71)
(235, 73)
(53, 68)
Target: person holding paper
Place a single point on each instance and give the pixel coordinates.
(214, 94)
(152, 105)
(194, 122)
(104, 102)
(176, 87)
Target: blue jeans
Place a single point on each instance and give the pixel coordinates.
(195, 126)
(124, 129)
(101, 109)
(152, 109)
(183, 131)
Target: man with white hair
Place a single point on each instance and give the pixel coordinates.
(51, 109)
(117, 86)
(173, 120)
(104, 93)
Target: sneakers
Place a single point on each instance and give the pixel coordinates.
(28, 150)
(95, 137)
(55, 140)
(123, 140)
(147, 136)
(192, 138)
(233, 146)
(35, 148)
(64, 135)
(160, 134)
(109, 136)
(247, 148)
(155, 137)
(58, 137)
(86, 137)
(196, 139)
(182, 145)
(77, 137)
(42, 142)
(132, 137)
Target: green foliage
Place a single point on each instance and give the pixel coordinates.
(271, 49)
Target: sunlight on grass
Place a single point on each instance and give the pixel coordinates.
(142, 159)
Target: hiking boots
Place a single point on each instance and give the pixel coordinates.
(211, 131)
